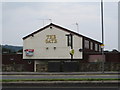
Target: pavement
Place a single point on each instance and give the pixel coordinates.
(57, 76)
(59, 73)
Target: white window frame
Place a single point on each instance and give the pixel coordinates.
(87, 44)
(91, 45)
(100, 48)
(96, 47)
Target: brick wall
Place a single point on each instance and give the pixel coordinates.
(83, 67)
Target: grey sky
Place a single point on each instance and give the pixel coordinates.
(21, 18)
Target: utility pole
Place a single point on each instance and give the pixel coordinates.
(102, 36)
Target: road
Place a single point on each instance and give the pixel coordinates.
(58, 88)
(55, 76)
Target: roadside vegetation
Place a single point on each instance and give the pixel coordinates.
(79, 79)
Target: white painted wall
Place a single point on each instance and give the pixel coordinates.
(77, 44)
(62, 50)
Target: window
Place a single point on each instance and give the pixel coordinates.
(96, 47)
(99, 48)
(69, 40)
(87, 44)
(91, 45)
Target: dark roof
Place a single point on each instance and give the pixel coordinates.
(51, 24)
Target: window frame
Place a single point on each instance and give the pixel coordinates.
(96, 47)
(91, 45)
(87, 44)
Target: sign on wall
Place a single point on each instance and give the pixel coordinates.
(72, 51)
(51, 39)
(29, 52)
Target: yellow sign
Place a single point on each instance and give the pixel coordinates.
(51, 39)
(102, 45)
(72, 52)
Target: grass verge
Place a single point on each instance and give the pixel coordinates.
(71, 79)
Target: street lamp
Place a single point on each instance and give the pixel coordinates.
(102, 36)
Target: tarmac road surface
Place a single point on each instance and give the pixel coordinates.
(60, 88)
(56, 76)
(89, 86)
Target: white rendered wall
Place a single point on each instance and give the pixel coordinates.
(77, 44)
(62, 50)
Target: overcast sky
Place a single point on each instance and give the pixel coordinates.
(21, 18)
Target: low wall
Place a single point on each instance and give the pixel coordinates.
(63, 67)
(98, 67)
(16, 68)
(78, 67)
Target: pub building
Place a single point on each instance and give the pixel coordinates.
(55, 43)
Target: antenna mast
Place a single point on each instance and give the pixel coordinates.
(43, 20)
(77, 27)
(50, 20)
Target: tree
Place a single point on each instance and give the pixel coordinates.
(21, 50)
(5, 50)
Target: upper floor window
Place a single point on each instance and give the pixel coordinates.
(87, 44)
(100, 48)
(69, 39)
(91, 45)
(96, 47)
